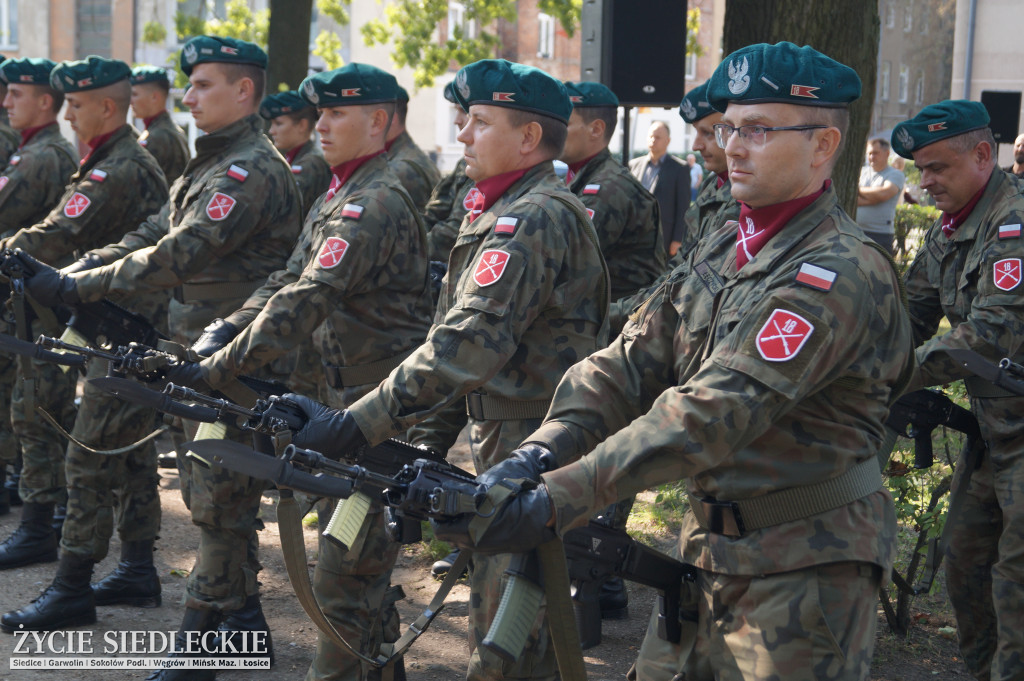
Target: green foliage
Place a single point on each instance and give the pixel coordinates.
(692, 32)
(311, 519)
(153, 33)
(334, 9)
(328, 48)
(911, 223)
(240, 22)
(911, 172)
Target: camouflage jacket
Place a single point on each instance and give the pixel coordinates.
(628, 223)
(168, 144)
(414, 169)
(231, 220)
(9, 141)
(973, 279)
(742, 384)
(312, 174)
(525, 298)
(444, 212)
(359, 286)
(712, 209)
(96, 209)
(34, 179)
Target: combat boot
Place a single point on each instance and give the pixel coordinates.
(441, 567)
(5, 496)
(33, 542)
(614, 599)
(200, 621)
(12, 483)
(66, 603)
(134, 581)
(238, 627)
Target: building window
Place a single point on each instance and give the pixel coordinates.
(919, 89)
(904, 84)
(890, 14)
(457, 19)
(546, 37)
(908, 19)
(9, 24)
(883, 81)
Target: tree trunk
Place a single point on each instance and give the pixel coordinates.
(847, 31)
(288, 43)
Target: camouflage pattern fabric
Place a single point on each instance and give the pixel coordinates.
(9, 141)
(312, 174)
(414, 169)
(166, 141)
(722, 366)
(523, 300)
(34, 179)
(232, 218)
(447, 207)
(627, 220)
(973, 279)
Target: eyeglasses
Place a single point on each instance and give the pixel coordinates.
(753, 136)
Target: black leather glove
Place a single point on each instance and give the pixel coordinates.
(527, 462)
(46, 284)
(214, 337)
(332, 432)
(186, 374)
(86, 262)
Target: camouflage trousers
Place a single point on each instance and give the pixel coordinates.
(815, 624)
(8, 443)
(491, 442)
(42, 447)
(96, 481)
(985, 558)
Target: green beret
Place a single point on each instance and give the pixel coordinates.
(937, 122)
(149, 74)
(88, 74)
(352, 84)
(30, 71)
(587, 93)
(499, 82)
(401, 94)
(695, 104)
(214, 48)
(782, 73)
(282, 103)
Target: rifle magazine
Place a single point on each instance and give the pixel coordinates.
(208, 431)
(348, 519)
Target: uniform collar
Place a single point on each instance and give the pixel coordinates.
(342, 173)
(149, 121)
(493, 188)
(398, 141)
(576, 168)
(28, 133)
(102, 141)
(952, 221)
(979, 205)
(219, 140)
(294, 152)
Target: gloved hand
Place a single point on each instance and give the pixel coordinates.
(186, 374)
(527, 462)
(332, 432)
(215, 336)
(86, 262)
(517, 525)
(46, 284)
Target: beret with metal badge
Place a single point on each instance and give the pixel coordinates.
(936, 122)
(214, 48)
(499, 82)
(88, 74)
(352, 84)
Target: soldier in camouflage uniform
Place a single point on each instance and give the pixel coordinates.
(969, 270)
(230, 222)
(450, 200)
(9, 137)
(361, 291)
(625, 215)
(525, 297)
(292, 120)
(30, 186)
(761, 373)
(414, 168)
(96, 210)
(162, 137)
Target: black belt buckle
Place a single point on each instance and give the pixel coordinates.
(475, 405)
(332, 375)
(723, 517)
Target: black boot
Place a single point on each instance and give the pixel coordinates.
(441, 567)
(134, 581)
(5, 496)
(33, 542)
(239, 627)
(198, 621)
(66, 603)
(393, 671)
(614, 599)
(11, 485)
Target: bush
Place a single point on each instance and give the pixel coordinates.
(912, 222)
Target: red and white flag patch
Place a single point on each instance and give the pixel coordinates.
(98, 175)
(592, 189)
(15, 160)
(332, 252)
(502, 97)
(1006, 274)
(238, 173)
(351, 210)
(470, 199)
(590, 212)
(3, 182)
(1009, 231)
(936, 127)
(76, 205)
(783, 335)
(490, 268)
(816, 277)
(219, 206)
(144, 142)
(506, 225)
(296, 170)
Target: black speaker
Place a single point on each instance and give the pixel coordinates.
(637, 48)
(1004, 109)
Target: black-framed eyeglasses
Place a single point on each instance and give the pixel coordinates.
(754, 135)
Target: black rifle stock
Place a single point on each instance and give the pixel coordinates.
(919, 413)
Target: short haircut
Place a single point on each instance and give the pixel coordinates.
(307, 114)
(120, 92)
(553, 131)
(608, 114)
(162, 85)
(880, 141)
(56, 95)
(965, 142)
(833, 117)
(258, 76)
(663, 125)
(401, 110)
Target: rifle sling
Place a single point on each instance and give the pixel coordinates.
(561, 618)
(107, 452)
(978, 387)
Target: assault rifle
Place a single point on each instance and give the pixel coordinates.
(1007, 375)
(917, 414)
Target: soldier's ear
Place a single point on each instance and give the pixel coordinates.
(532, 134)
